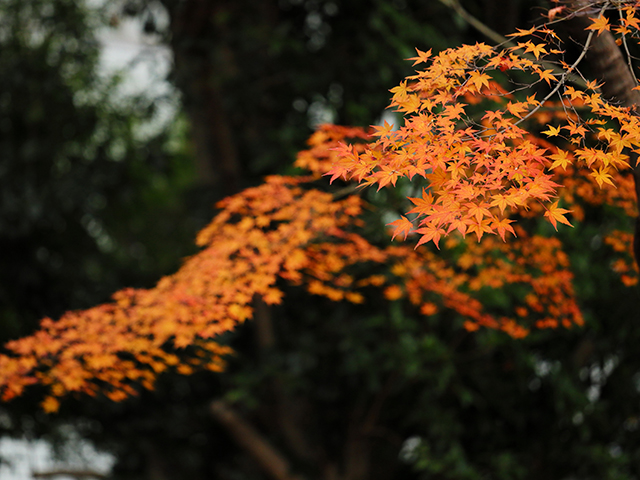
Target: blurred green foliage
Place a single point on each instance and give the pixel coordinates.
(87, 207)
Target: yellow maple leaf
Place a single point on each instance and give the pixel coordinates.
(561, 159)
(552, 131)
(602, 176)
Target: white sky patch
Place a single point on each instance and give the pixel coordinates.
(142, 62)
(25, 457)
(392, 118)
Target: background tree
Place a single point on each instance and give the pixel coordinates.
(73, 169)
(429, 363)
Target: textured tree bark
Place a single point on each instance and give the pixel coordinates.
(611, 69)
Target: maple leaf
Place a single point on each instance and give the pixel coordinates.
(387, 175)
(383, 130)
(480, 227)
(479, 211)
(422, 57)
(272, 297)
(602, 176)
(556, 214)
(400, 92)
(553, 12)
(402, 226)
(522, 33)
(393, 292)
(572, 93)
(593, 85)
(337, 171)
(631, 20)
(517, 108)
(457, 224)
(499, 201)
(561, 159)
(492, 115)
(478, 80)
(536, 49)
(599, 24)
(552, 131)
(423, 205)
(502, 226)
(576, 129)
(430, 233)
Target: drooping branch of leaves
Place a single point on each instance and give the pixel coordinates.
(490, 160)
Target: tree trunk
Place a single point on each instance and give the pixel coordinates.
(217, 159)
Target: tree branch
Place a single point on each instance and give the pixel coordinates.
(268, 458)
(500, 40)
(69, 473)
(475, 23)
(288, 410)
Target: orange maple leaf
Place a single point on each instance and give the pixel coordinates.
(50, 404)
(599, 24)
(553, 12)
(503, 226)
(402, 226)
(478, 80)
(561, 159)
(556, 214)
(430, 233)
(631, 20)
(536, 49)
(422, 57)
(517, 108)
(522, 33)
(547, 76)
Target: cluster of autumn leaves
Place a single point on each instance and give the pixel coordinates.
(483, 157)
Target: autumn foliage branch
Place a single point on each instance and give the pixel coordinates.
(488, 159)
(464, 135)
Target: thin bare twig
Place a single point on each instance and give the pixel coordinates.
(477, 24)
(626, 49)
(502, 41)
(563, 78)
